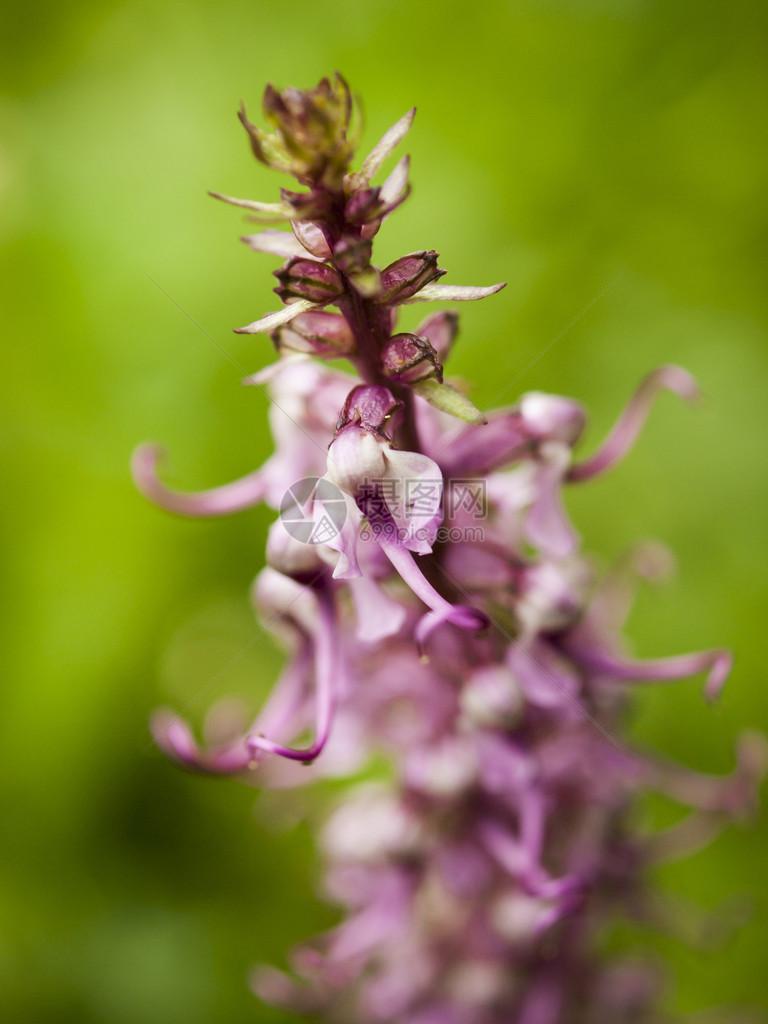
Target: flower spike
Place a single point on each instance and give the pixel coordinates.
(475, 878)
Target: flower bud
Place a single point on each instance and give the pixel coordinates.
(363, 206)
(306, 205)
(311, 129)
(291, 557)
(356, 459)
(318, 333)
(307, 279)
(370, 407)
(550, 417)
(408, 358)
(408, 275)
(312, 237)
(266, 148)
(352, 255)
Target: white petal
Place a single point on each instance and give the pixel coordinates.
(356, 458)
(277, 243)
(282, 316)
(274, 211)
(397, 181)
(416, 503)
(454, 293)
(389, 140)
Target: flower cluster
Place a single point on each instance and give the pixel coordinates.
(434, 606)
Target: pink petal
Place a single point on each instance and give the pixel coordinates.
(630, 423)
(218, 501)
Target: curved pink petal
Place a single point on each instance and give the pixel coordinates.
(631, 421)
(174, 737)
(547, 526)
(414, 498)
(378, 615)
(219, 501)
(717, 663)
(545, 680)
(345, 542)
(325, 688)
(480, 448)
(441, 610)
(732, 794)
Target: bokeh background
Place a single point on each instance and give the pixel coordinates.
(605, 157)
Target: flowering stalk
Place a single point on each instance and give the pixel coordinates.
(426, 580)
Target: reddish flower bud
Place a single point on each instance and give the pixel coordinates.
(363, 206)
(307, 279)
(408, 275)
(306, 205)
(408, 358)
(370, 407)
(316, 332)
(352, 254)
(312, 237)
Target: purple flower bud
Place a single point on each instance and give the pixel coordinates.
(406, 276)
(351, 254)
(306, 205)
(307, 279)
(318, 332)
(312, 237)
(363, 206)
(408, 358)
(370, 407)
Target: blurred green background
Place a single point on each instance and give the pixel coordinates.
(605, 158)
